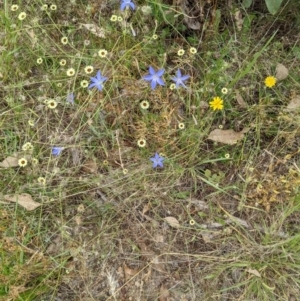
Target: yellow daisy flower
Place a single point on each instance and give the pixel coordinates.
(216, 103)
(270, 81)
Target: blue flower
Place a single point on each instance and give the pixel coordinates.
(157, 160)
(126, 4)
(56, 150)
(155, 77)
(70, 98)
(97, 81)
(179, 79)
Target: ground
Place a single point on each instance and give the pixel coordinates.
(85, 215)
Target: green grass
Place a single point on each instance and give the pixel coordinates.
(100, 232)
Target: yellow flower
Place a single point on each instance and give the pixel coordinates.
(144, 104)
(125, 171)
(31, 122)
(216, 103)
(88, 69)
(193, 50)
(141, 143)
(39, 60)
(155, 37)
(44, 7)
(227, 156)
(102, 53)
(53, 7)
(180, 52)
(192, 222)
(14, 7)
(120, 19)
(70, 71)
(22, 16)
(64, 40)
(22, 162)
(270, 81)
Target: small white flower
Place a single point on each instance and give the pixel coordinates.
(88, 69)
(113, 18)
(14, 7)
(181, 125)
(84, 83)
(144, 104)
(22, 16)
(172, 86)
(180, 52)
(39, 60)
(62, 62)
(42, 180)
(70, 72)
(224, 90)
(22, 162)
(51, 104)
(64, 40)
(102, 53)
(141, 143)
(193, 50)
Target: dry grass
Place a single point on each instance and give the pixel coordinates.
(220, 221)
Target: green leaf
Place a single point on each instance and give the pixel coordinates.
(247, 3)
(273, 5)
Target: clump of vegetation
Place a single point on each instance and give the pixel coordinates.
(149, 151)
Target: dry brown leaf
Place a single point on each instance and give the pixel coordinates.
(129, 272)
(227, 136)
(90, 166)
(164, 294)
(294, 103)
(240, 100)
(254, 272)
(282, 72)
(172, 221)
(145, 209)
(10, 161)
(23, 199)
(94, 29)
(238, 16)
